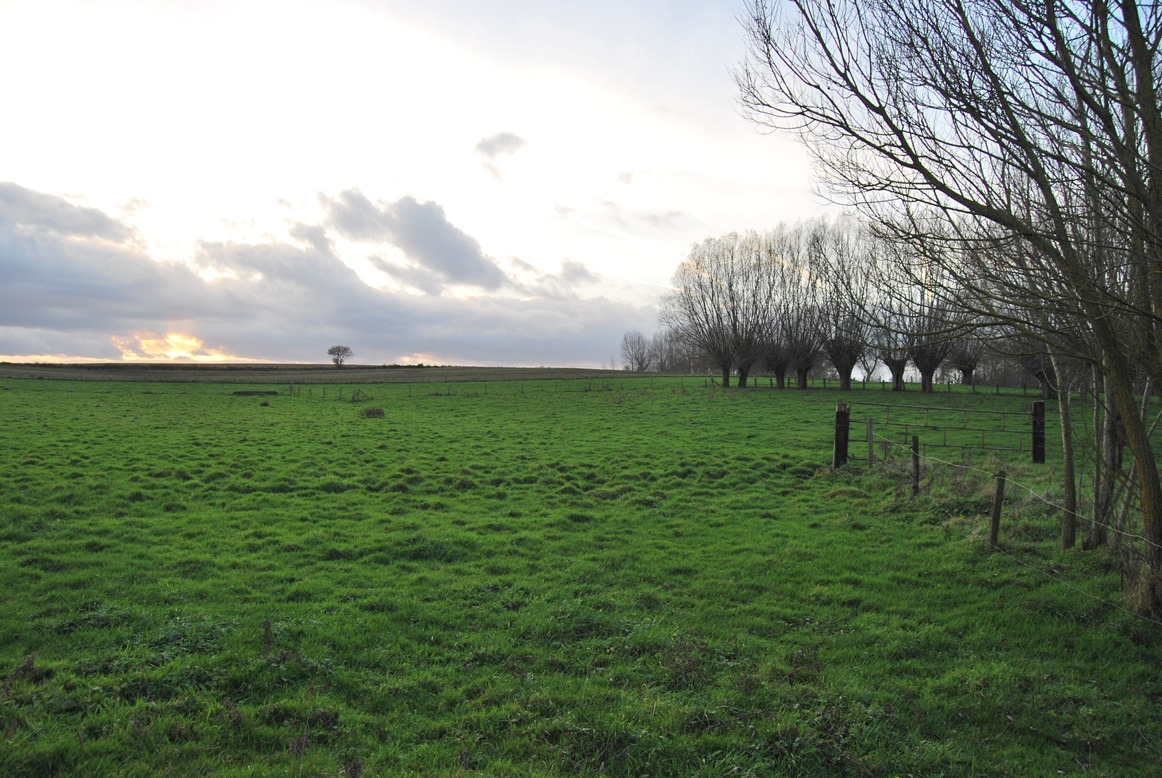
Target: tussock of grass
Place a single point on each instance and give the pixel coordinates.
(553, 578)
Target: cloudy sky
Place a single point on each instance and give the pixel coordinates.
(510, 182)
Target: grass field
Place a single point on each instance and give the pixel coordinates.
(608, 575)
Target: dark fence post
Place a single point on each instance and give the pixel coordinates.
(995, 519)
(915, 465)
(1039, 432)
(871, 442)
(842, 432)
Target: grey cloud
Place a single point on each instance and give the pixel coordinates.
(540, 331)
(68, 291)
(562, 286)
(520, 265)
(668, 220)
(498, 145)
(24, 208)
(415, 277)
(576, 273)
(422, 232)
(357, 218)
(314, 235)
(501, 143)
(63, 281)
(274, 282)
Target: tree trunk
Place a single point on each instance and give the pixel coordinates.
(928, 357)
(1146, 465)
(801, 377)
(1107, 466)
(1069, 472)
(844, 368)
(726, 375)
(896, 367)
(926, 377)
(1048, 382)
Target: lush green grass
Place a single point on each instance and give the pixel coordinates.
(628, 576)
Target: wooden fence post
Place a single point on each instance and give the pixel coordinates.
(842, 433)
(1039, 432)
(915, 465)
(995, 518)
(871, 442)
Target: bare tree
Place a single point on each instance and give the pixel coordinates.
(635, 352)
(795, 336)
(929, 343)
(841, 264)
(888, 311)
(891, 347)
(802, 334)
(720, 302)
(965, 353)
(916, 306)
(670, 354)
(340, 354)
(776, 358)
(1034, 126)
(869, 361)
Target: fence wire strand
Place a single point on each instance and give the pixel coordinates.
(1037, 496)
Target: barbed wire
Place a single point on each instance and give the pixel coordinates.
(1067, 585)
(1037, 496)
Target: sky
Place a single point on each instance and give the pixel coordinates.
(441, 182)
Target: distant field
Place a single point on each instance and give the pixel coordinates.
(605, 575)
(289, 374)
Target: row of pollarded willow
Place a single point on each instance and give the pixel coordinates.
(1015, 148)
(800, 294)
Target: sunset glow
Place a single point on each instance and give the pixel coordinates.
(173, 346)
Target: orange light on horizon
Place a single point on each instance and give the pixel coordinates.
(173, 346)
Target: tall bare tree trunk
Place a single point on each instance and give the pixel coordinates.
(1150, 488)
(1069, 471)
(1106, 467)
(896, 367)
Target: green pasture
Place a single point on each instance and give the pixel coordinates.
(617, 576)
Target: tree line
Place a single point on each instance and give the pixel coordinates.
(1006, 159)
(815, 296)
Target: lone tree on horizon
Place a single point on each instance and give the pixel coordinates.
(340, 354)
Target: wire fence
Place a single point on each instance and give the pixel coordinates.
(964, 429)
(1036, 494)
